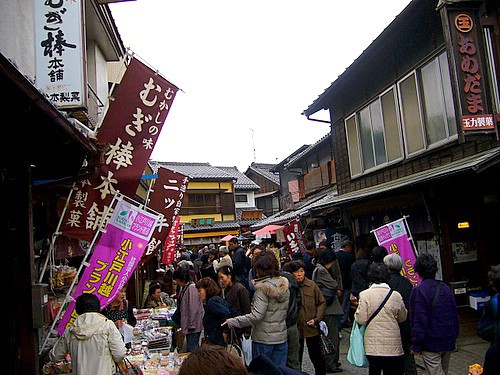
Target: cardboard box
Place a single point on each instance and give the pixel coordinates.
(478, 299)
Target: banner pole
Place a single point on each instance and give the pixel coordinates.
(68, 296)
(56, 233)
(410, 238)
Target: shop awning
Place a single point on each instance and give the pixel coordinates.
(475, 163)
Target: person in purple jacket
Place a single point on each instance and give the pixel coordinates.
(433, 317)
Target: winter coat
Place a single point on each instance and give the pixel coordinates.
(404, 286)
(324, 279)
(295, 300)
(433, 329)
(239, 261)
(268, 312)
(224, 261)
(382, 337)
(345, 260)
(313, 307)
(217, 310)
(94, 343)
(359, 277)
(238, 297)
(192, 310)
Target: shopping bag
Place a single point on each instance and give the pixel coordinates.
(234, 347)
(246, 346)
(356, 353)
(326, 345)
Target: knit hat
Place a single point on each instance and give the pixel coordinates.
(223, 249)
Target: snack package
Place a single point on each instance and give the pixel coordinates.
(475, 369)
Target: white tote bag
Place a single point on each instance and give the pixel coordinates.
(246, 346)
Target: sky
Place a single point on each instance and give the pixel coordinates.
(247, 69)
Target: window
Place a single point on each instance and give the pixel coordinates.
(373, 135)
(241, 198)
(414, 115)
(427, 109)
(195, 204)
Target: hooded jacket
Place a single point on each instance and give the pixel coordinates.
(269, 311)
(94, 343)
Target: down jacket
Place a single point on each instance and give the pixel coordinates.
(382, 337)
(269, 310)
(94, 343)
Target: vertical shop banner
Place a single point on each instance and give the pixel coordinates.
(394, 237)
(172, 241)
(166, 198)
(294, 240)
(115, 257)
(130, 130)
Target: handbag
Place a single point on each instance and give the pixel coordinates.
(233, 347)
(176, 316)
(325, 344)
(356, 353)
(126, 367)
(488, 323)
(246, 347)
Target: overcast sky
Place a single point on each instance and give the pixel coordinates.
(247, 69)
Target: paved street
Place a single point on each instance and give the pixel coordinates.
(471, 349)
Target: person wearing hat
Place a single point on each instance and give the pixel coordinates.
(225, 258)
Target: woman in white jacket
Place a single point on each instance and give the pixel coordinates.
(383, 346)
(93, 341)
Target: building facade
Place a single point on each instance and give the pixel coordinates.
(414, 129)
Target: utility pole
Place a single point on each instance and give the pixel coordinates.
(253, 145)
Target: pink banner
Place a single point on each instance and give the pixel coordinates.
(115, 257)
(395, 239)
(171, 242)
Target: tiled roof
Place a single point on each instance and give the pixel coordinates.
(301, 208)
(265, 171)
(247, 221)
(242, 181)
(217, 225)
(195, 171)
(309, 149)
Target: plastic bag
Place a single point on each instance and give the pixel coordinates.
(356, 353)
(246, 346)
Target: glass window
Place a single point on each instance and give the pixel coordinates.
(353, 146)
(241, 198)
(412, 122)
(393, 144)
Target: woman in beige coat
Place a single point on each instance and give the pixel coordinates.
(383, 346)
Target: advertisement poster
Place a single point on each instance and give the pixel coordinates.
(394, 237)
(115, 257)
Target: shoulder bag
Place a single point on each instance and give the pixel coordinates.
(234, 347)
(356, 353)
(329, 294)
(127, 368)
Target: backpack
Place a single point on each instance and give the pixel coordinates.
(487, 327)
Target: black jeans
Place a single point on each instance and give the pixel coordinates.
(315, 355)
(385, 365)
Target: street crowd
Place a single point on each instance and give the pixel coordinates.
(273, 305)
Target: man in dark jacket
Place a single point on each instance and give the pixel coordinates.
(291, 320)
(345, 258)
(238, 255)
(433, 317)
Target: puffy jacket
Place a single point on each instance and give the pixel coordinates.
(94, 343)
(269, 310)
(382, 337)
